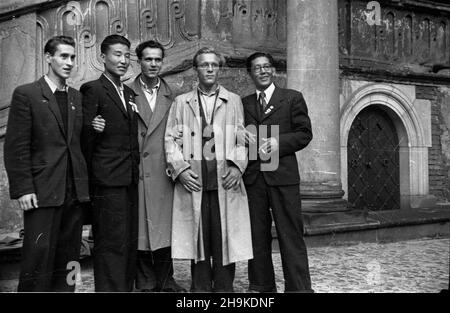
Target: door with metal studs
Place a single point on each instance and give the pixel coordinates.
(373, 162)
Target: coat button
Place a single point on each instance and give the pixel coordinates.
(143, 134)
(145, 154)
(192, 134)
(192, 156)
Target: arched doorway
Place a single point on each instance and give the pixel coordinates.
(373, 161)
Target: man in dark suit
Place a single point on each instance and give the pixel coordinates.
(112, 154)
(153, 100)
(47, 172)
(276, 188)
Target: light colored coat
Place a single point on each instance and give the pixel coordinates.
(183, 144)
(155, 187)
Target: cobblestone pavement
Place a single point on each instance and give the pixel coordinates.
(406, 266)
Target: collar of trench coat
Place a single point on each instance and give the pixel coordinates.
(192, 99)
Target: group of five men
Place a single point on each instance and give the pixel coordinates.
(165, 177)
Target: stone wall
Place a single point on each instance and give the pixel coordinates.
(236, 27)
(440, 152)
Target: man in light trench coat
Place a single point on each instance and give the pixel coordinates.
(153, 100)
(206, 161)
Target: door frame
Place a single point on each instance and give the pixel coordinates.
(412, 120)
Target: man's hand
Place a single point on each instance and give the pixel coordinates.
(269, 146)
(99, 124)
(231, 178)
(189, 180)
(245, 136)
(28, 202)
(249, 137)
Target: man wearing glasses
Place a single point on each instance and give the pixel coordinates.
(206, 161)
(281, 117)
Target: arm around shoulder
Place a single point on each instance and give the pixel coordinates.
(173, 141)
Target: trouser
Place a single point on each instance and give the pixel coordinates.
(154, 269)
(207, 277)
(286, 211)
(115, 231)
(52, 240)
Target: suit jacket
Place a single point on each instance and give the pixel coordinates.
(288, 110)
(113, 155)
(155, 187)
(37, 147)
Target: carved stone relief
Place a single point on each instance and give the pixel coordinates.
(403, 36)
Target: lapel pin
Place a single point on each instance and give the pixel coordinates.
(269, 110)
(133, 106)
(73, 108)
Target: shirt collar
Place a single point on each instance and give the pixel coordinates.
(52, 85)
(209, 94)
(150, 90)
(268, 92)
(120, 88)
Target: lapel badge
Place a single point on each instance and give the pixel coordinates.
(73, 108)
(133, 106)
(269, 110)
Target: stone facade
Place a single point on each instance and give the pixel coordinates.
(405, 49)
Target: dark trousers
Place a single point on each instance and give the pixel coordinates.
(207, 277)
(52, 240)
(115, 233)
(154, 269)
(286, 211)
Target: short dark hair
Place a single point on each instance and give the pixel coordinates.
(52, 44)
(149, 44)
(206, 50)
(256, 55)
(112, 40)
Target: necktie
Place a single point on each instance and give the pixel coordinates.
(262, 100)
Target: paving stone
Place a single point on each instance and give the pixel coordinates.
(407, 266)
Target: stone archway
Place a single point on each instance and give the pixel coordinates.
(413, 126)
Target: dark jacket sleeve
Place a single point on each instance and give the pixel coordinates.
(90, 108)
(301, 133)
(17, 148)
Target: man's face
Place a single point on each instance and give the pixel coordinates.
(62, 62)
(117, 59)
(151, 62)
(208, 67)
(262, 73)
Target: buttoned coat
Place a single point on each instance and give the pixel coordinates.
(288, 111)
(183, 142)
(155, 186)
(112, 156)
